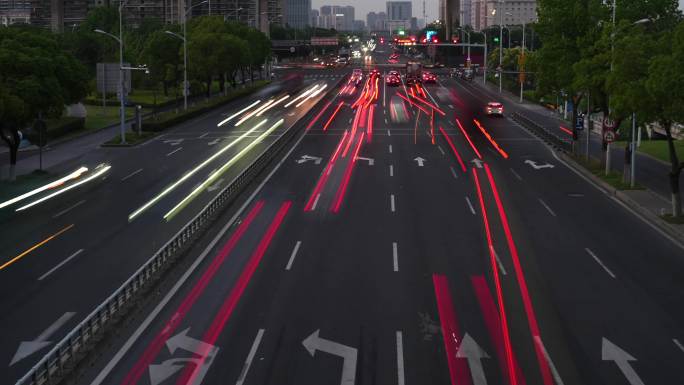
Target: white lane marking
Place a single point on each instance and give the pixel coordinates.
(250, 357)
(391, 170)
(174, 151)
(599, 262)
(134, 173)
(516, 174)
(470, 205)
(392, 202)
(390, 148)
(679, 344)
(441, 150)
(546, 207)
(350, 120)
(385, 120)
(72, 256)
(400, 359)
(552, 366)
(498, 260)
(181, 281)
(313, 207)
(451, 106)
(293, 255)
(453, 172)
(203, 135)
(395, 256)
(388, 132)
(66, 210)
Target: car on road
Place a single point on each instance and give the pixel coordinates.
(494, 109)
(356, 76)
(392, 78)
(374, 73)
(429, 77)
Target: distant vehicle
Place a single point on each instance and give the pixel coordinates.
(494, 109)
(392, 79)
(468, 74)
(356, 76)
(429, 77)
(414, 72)
(419, 55)
(394, 73)
(456, 72)
(374, 73)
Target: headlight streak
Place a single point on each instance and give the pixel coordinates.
(272, 105)
(167, 190)
(268, 103)
(226, 120)
(67, 188)
(188, 198)
(48, 186)
(302, 95)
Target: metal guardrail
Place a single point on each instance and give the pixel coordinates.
(66, 352)
(541, 131)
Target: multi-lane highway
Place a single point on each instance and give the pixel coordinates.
(404, 238)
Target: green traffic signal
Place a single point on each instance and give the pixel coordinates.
(496, 40)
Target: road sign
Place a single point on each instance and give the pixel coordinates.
(292, 49)
(579, 123)
(608, 123)
(609, 136)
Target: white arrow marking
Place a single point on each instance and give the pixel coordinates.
(612, 352)
(420, 161)
(370, 161)
(174, 142)
(192, 345)
(314, 342)
(215, 186)
(26, 348)
(478, 162)
(213, 142)
(536, 166)
(159, 373)
(306, 158)
(472, 352)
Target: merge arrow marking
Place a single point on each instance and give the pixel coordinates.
(612, 352)
(472, 352)
(26, 348)
(536, 166)
(313, 343)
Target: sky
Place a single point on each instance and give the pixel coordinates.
(362, 7)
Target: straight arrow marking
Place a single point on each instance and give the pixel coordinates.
(472, 352)
(612, 352)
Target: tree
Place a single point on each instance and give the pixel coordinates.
(36, 76)
(665, 88)
(161, 54)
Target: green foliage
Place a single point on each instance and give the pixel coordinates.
(163, 55)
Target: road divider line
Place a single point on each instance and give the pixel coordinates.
(498, 260)
(59, 214)
(293, 255)
(679, 344)
(395, 256)
(134, 173)
(37, 245)
(453, 172)
(392, 202)
(391, 170)
(470, 205)
(64, 262)
(441, 150)
(591, 253)
(400, 359)
(390, 148)
(174, 151)
(547, 207)
(556, 376)
(516, 175)
(388, 131)
(250, 357)
(203, 135)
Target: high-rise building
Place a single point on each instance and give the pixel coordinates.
(514, 12)
(465, 12)
(359, 25)
(399, 10)
(449, 11)
(337, 17)
(297, 13)
(376, 21)
(15, 12)
(313, 17)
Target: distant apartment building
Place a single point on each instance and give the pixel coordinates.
(449, 11)
(399, 10)
(359, 25)
(514, 12)
(465, 12)
(313, 17)
(297, 13)
(376, 21)
(338, 17)
(15, 12)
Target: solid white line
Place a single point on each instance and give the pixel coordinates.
(679, 344)
(59, 214)
(516, 175)
(498, 261)
(547, 207)
(313, 207)
(293, 255)
(388, 132)
(174, 151)
(391, 170)
(554, 371)
(453, 172)
(440, 149)
(451, 106)
(203, 135)
(350, 120)
(600, 262)
(400, 359)
(470, 205)
(181, 281)
(395, 256)
(74, 255)
(136, 172)
(250, 357)
(392, 202)
(385, 120)
(390, 148)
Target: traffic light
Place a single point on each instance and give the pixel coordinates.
(496, 39)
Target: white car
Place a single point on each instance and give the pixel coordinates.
(494, 108)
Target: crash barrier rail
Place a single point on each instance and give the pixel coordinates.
(72, 348)
(543, 133)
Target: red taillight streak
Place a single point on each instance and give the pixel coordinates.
(324, 176)
(497, 284)
(493, 322)
(158, 343)
(369, 130)
(363, 117)
(490, 139)
(472, 145)
(353, 133)
(434, 107)
(458, 369)
(566, 130)
(325, 128)
(422, 91)
(335, 208)
(363, 95)
(412, 103)
(318, 116)
(453, 148)
(520, 276)
(222, 317)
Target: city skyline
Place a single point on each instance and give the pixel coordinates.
(363, 7)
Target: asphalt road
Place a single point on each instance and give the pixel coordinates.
(410, 253)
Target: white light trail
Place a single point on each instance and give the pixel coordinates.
(226, 120)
